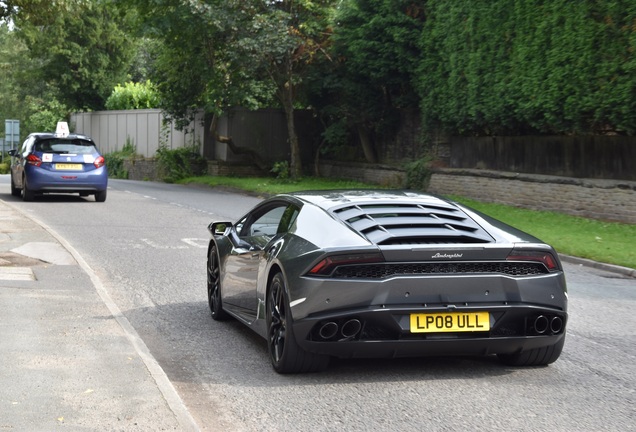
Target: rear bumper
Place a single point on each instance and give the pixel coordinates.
(524, 312)
(386, 332)
(67, 182)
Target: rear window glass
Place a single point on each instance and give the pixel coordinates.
(65, 146)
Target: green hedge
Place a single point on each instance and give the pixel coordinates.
(529, 66)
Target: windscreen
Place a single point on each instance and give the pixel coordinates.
(65, 146)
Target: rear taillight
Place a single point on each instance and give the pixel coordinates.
(99, 162)
(326, 266)
(33, 160)
(546, 258)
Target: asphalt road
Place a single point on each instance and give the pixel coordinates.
(147, 245)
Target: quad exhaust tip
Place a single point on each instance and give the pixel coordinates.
(543, 324)
(347, 331)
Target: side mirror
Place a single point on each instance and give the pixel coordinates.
(219, 228)
(13, 152)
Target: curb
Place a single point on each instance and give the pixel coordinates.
(624, 271)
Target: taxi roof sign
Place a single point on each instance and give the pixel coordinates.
(62, 129)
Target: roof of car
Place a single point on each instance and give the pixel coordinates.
(329, 199)
(50, 135)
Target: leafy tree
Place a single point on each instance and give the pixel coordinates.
(23, 93)
(200, 64)
(32, 8)
(83, 48)
(222, 53)
(286, 37)
(133, 96)
(376, 55)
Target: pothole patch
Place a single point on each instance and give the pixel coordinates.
(16, 274)
(12, 259)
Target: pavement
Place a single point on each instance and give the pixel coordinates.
(69, 359)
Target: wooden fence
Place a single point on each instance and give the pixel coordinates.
(594, 157)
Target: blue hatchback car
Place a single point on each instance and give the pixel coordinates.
(58, 163)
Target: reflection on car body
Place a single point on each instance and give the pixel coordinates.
(385, 274)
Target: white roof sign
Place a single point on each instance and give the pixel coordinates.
(62, 129)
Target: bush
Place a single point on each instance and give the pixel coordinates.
(133, 96)
(115, 160)
(180, 163)
(4, 168)
(418, 174)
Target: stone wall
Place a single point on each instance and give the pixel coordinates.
(147, 169)
(611, 200)
(383, 175)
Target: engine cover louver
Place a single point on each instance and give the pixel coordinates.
(405, 223)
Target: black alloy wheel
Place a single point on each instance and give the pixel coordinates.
(214, 286)
(285, 354)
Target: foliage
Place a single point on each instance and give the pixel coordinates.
(4, 168)
(44, 113)
(133, 96)
(418, 174)
(281, 169)
(529, 66)
(201, 63)
(367, 85)
(177, 164)
(115, 160)
(222, 53)
(82, 48)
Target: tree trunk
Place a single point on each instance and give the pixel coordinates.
(295, 168)
(367, 143)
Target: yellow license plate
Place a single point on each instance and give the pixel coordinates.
(68, 167)
(450, 322)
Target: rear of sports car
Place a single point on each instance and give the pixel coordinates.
(435, 279)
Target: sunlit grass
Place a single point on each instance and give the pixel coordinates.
(270, 185)
(608, 242)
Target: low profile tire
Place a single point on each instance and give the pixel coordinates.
(27, 194)
(284, 352)
(100, 196)
(535, 357)
(214, 287)
(14, 190)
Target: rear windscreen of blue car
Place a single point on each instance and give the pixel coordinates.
(64, 146)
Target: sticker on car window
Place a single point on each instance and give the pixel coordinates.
(89, 159)
(47, 157)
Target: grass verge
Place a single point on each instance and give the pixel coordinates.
(607, 242)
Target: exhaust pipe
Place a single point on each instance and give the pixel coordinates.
(328, 330)
(541, 324)
(556, 325)
(351, 328)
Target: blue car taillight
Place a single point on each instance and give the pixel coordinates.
(33, 160)
(99, 162)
